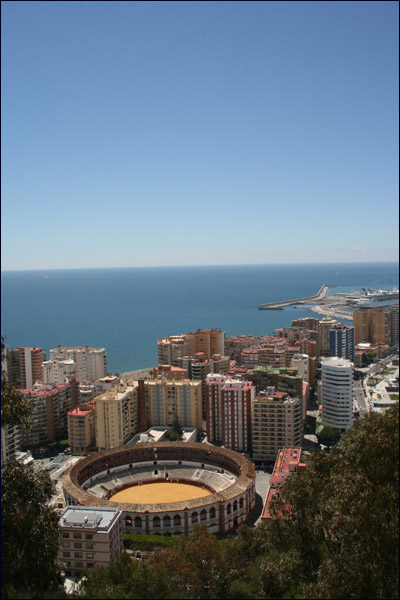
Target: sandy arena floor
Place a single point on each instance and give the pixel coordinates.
(160, 492)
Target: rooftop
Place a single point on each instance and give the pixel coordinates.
(84, 516)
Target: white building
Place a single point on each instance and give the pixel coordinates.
(90, 363)
(10, 442)
(337, 392)
(57, 371)
(300, 361)
(116, 415)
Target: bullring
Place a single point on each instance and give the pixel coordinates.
(227, 475)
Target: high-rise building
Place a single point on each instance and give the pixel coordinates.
(90, 363)
(56, 371)
(341, 341)
(166, 398)
(10, 442)
(324, 327)
(50, 404)
(373, 325)
(24, 366)
(394, 324)
(276, 422)
(81, 433)
(228, 411)
(301, 363)
(174, 347)
(337, 392)
(116, 415)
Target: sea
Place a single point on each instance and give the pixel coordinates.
(125, 310)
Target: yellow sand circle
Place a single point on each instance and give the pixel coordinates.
(159, 492)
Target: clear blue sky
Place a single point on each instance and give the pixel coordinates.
(184, 133)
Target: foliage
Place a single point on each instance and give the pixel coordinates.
(30, 534)
(138, 541)
(176, 432)
(330, 434)
(16, 409)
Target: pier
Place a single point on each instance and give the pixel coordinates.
(314, 299)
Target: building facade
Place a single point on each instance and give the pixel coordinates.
(165, 398)
(337, 378)
(228, 411)
(116, 415)
(24, 366)
(81, 431)
(90, 363)
(341, 341)
(277, 422)
(373, 325)
(50, 405)
(90, 537)
(57, 371)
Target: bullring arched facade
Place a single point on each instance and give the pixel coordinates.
(229, 476)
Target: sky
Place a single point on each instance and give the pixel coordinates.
(198, 133)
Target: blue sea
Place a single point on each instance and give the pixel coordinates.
(126, 310)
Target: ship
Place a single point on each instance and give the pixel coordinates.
(379, 298)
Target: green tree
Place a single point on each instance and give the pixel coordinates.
(30, 533)
(341, 515)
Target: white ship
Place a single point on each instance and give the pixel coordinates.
(378, 298)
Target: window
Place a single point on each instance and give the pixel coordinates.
(77, 545)
(79, 565)
(89, 536)
(89, 555)
(89, 546)
(78, 554)
(138, 522)
(90, 565)
(65, 534)
(65, 544)
(66, 554)
(156, 522)
(77, 536)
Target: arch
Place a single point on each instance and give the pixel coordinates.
(203, 515)
(166, 521)
(177, 520)
(138, 522)
(156, 522)
(229, 509)
(235, 506)
(212, 513)
(195, 517)
(128, 521)
(241, 503)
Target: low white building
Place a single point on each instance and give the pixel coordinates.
(90, 537)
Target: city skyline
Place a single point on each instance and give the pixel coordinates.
(140, 134)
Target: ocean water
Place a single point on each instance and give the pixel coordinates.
(126, 310)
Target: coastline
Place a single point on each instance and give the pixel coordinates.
(139, 374)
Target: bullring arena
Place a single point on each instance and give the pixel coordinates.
(146, 482)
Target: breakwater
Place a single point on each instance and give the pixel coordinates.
(276, 305)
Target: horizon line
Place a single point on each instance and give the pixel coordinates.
(358, 262)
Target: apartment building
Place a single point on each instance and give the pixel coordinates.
(341, 341)
(81, 430)
(207, 341)
(337, 378)
(57, 371)
(169, 372)
(50, 404)
(103, 384)
(10, 442)
(165, 398)
(90, 538)
(24, 366)
(394, 324)
(276, 422)
(90, 363)
(374, 325)
(235, 345)
(324, 327)
(306, 323)
(301, 363)
(116, 415)
(228, 411)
